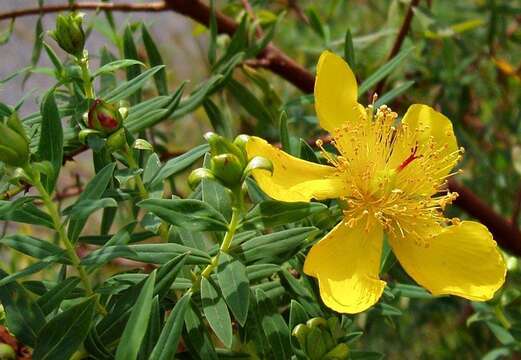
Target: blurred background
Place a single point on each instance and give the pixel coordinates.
(461, 57)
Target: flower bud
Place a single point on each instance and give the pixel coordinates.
(69, 33)
(104, 117)
(227, 168)
(14, 144)
(116, 141)
(198, 175)
(219, 145)
(339, 352)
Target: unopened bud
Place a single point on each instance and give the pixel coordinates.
(219, 145)
(258, 163)
(14, 144)
(316, 322)
(227, 168)
(339, 352)
(116, 141)
(69, 33)
(301, 332)
(198, 175)
(104, 117)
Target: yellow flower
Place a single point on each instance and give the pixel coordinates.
(389, 178)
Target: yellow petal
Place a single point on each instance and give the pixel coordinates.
(346, 263)
(336, 92)
(431, 134)
(294, 179)
(461, 260)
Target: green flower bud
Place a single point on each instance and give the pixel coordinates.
(315, 348)
(316, 322)
(240, 141)
(116, 141)
(14, 144)
(198, 175)
(300, 332)
(219, 145)
(104, 117)
(69, 33)
(339, 352)
(7, 352)
(227, 168)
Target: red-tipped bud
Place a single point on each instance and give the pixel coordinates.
(104, 117)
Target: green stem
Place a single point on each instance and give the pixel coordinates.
(225, 245)
(54, 213)
(85, 75)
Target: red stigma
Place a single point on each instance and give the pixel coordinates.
(410, 159)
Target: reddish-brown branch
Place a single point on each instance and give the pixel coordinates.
(400, 38)
(87, 5)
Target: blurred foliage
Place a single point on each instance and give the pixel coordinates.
(150, 236)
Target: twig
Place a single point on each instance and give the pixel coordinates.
(404, 30)
(87, 5)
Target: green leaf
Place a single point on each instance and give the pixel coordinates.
(315, 23)
(24, 316)
(153, 330)
(50, 147)
(147, 253)
(273, 326)
(107, 79)
(116, 65)
(197, 338)
(284, 134)
(392, 94)
(178, 164)
(64, 333)
(155, 59)
(83, 209)
(269, 247)
(217, 119)
(130, 52)
(128, 88)
(411, 291)
(53, 57)
(349, 50)
(190, 214)
(52, 299)
(307, 153)
(136, 327)
(249, 102)
(261, 271)
(383, 71)
(235, 286)
(216, 312)
(166, 346)
(217, 196)
(271, 213)
(93, 191)
(22, 210)
(33, 247)
(31, 269)
(167, 274)
(212, 46)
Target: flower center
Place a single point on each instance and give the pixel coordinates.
(392, 176)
